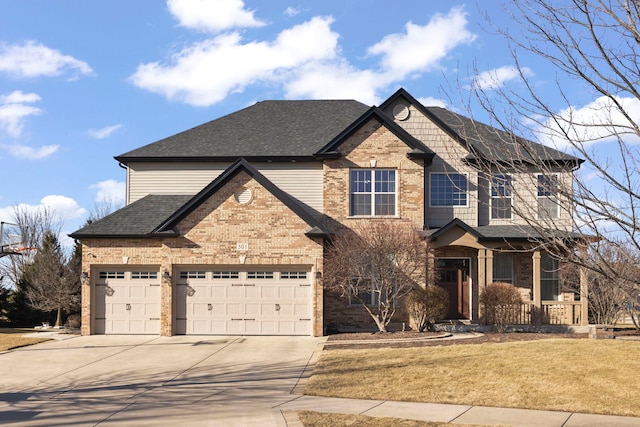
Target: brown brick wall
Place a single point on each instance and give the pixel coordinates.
(373, 142)
(210, 234)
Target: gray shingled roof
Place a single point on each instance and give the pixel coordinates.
(500, 232)
(267, 129)
(298, 129)
(482, 140)
(495, 144)
(138, 219)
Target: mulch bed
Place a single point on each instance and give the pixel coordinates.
(420, 339)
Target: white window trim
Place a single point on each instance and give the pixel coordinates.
(466, 175)
(554, 197)
(373, 193)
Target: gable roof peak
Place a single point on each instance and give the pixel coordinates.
(417, 148)
(242, 165)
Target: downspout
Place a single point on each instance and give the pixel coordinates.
(126, 168)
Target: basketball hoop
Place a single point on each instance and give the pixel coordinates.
(9, 250)
(12, 240)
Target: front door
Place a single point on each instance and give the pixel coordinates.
(454, 277)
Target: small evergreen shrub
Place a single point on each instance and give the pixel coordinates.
(427, 305)
(501, 304)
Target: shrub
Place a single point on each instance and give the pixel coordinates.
(501, 303)
(73, 321)
(427, 305)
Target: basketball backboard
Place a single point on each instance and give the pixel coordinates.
(12, 241)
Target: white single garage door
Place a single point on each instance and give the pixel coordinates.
(243, 302)
(127, 302)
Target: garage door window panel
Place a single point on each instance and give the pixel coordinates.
(293, 275)
(226, 274)
(260, 275)
(193, 275)
(111, 275)
(140, 275)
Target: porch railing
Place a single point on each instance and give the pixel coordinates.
(551, 313)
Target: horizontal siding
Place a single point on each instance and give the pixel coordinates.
(302, 180)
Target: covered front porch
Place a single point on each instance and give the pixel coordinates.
(465, 261)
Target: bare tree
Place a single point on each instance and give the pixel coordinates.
(102, 208)
(52, 284)
(376, 263)
(32, 226)
(594, 45)
(610, 296)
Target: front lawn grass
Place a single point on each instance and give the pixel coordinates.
(11, 338)
(318, 419)
(577, 375)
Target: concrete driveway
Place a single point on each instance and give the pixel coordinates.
(145, 380)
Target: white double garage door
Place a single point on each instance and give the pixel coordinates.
(207, 301)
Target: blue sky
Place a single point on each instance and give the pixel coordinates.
(83, 81)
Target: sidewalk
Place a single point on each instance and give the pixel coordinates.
(454, 414)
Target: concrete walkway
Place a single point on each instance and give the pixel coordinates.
(204, 381)
(454, 414)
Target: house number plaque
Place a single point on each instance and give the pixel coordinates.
(242, 246)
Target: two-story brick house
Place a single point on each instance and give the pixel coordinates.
(225, 226)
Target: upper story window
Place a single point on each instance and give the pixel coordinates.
(448, 189)
(501, 197)
(547, 196)
(373, 192)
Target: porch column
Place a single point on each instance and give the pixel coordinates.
(537, 288)
(489, 271)
(584, 298)
(431, 269)
(482, 269)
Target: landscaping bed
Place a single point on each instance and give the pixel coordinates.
(420, 339)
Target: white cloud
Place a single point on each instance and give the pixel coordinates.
(598, 121)
(213, 16)
(19, 97)
(33, 59)
(432, 102)
(420, 48)
(27, 152)
(304, 59)
(189, 77)
(61, 207)
(104, 132)
(14, 109)
(291, 11)
(333, 81)
(110, 191)
(498, 77)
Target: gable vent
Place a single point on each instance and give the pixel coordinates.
(401, 112)
(243, 196)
